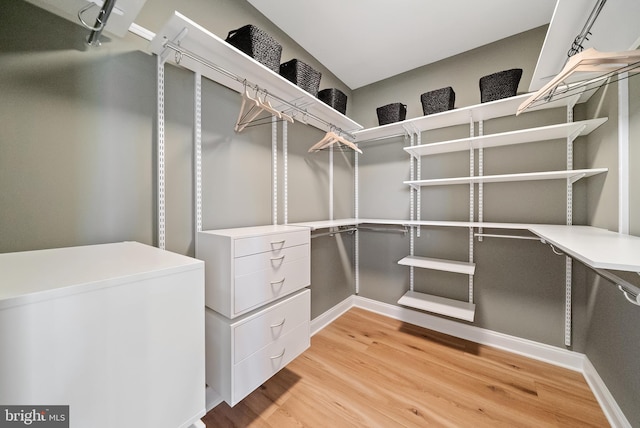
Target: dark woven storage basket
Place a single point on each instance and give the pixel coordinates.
(302, 75)
(437, 101)
(257, 44)
(335, 98)
(503, 84)
(391, 113)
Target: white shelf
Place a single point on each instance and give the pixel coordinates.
(522, 136)
(439, 305)
(484, 111)
(439, 264)
(573, 175)
(598, 248)
(208, 46)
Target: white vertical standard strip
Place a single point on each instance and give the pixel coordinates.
(160, 149)
(480, 173)
(471, 205)
(356, 250)
(568, 262)
(285, 166)
(197, 152)
(419, 177)
(412, 215)
(274, 168)
(331, 182)
(623, 153)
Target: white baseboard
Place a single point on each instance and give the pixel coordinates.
(321, 321)
(609, 406)
(528, 348)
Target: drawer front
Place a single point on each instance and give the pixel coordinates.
(270, 324)
(269, 260)
(264, 286)
(270, 243)
(260, 366)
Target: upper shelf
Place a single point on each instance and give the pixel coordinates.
(544, 133)
(461, 116)
(216, 53)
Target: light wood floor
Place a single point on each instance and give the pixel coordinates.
(367, 370)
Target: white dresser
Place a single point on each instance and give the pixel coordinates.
(258, 309)
(115, 331)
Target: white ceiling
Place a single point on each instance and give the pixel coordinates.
(364, 41)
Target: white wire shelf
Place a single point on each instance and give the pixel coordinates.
(439, 264)
(439, 305)
(521, 136)
(214, 54)
(573, 175)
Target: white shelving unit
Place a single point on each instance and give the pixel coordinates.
(217, 60)
(468, 116)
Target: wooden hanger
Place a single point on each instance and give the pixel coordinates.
(251, 108)
(589, 60)
(333, 138)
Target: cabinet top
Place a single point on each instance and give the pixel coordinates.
(247, 232)
(33, 276)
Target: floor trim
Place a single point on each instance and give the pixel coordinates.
(539, 351)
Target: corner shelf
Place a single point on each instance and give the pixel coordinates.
(522, 136)
(573, 175)
(213, 51)
(439, 305)
(461, 116)
(439, 264)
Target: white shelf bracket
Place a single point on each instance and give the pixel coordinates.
(285, 167)
(197, 151)
(274, 168)
(164, 55)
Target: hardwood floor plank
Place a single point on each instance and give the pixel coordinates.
(367, 370)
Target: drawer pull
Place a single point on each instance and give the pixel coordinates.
(278, 356)
(281, 243)
(277, 282)
(273, 259)
(279, 324)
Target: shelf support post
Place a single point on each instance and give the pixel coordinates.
(569, 260)
(274, 168)
(197, 151)
(160, 152)
(285, 167)
(471, 205)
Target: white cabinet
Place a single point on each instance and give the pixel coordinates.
(249, 267)
(258, 309)
(115, 331)
(245, 352)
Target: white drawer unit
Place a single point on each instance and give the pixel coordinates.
(243, 353)
(248, 267)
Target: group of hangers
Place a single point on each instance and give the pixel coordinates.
(252, 107)
(332, 138)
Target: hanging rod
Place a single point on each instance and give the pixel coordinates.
(489, 235)
(576, 46)
(333, 232)
(384, 229)
(184, 52)
(630, 291)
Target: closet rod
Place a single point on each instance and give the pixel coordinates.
(489, 235)
(184, 52)
(630, 291)
(333, 232)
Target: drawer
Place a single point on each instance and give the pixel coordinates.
(269, 260)
(269, 325)
(260, 366)
(266, 285)
(270, 243)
